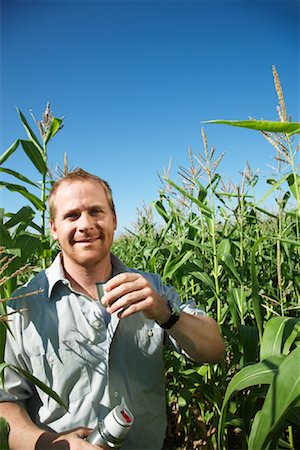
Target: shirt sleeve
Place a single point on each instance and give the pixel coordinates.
(169, 293)
(190, 308)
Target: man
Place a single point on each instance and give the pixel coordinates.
(94, 355)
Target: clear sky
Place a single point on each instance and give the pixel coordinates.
(135, 79)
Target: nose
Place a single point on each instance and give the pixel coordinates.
(85, 222)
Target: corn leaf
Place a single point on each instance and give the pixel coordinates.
(4, 432)
(256, 301)
(260, 373)
(9, 152)
(282, 395)
(206, 279)
(252, 375)
(5, 238)
(28, 243)
(29, 131)
(223, 247)
(35, 155)
(294, 185)
(18, 175)
(35, 381)
(274, 187)
(237, 301)
(228, 261)
(23, 191)
(53, 129)
(249, 340)
(279, 334)
(262, 125)
(204, 208)
(175, 264)
(25, 214)
(161, 210)
(3, 333)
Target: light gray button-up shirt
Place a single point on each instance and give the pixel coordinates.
(92, 360)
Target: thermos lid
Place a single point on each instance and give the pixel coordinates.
(118, 421)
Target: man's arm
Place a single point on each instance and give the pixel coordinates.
(198, 336)
(25, 435)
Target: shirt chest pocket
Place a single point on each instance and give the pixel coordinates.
(64, 371)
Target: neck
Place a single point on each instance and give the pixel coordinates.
(84, 278)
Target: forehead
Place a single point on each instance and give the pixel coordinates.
(75, 192)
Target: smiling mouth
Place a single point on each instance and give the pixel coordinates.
(87, 240)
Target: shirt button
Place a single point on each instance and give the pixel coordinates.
(97, 324)
(116, 394)
(150, 333)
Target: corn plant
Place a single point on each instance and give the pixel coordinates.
(36, 152)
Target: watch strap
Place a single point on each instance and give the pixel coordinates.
(172, 319)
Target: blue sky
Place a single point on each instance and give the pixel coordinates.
(135, 79)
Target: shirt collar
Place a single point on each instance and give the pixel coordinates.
(55, 272)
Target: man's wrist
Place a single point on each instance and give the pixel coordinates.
(173, 316)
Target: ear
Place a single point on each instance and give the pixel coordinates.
(53, 229)
(115, 221)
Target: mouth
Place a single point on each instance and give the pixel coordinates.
(89, 240)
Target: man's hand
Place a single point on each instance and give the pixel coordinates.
(129, 293)
(71, 440)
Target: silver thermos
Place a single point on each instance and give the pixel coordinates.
(112, 430)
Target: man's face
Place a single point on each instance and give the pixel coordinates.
(84, 224)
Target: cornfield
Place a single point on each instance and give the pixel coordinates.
(240, 262)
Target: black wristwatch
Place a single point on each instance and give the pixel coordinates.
(175, 314)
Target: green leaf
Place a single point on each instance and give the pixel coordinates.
(206, 279)
(35, 155)
(228, 261)
(256, 301)
(161, 210)
(23, 191)
(5, 238)
(264, 211)
(205, 209)
(53, 129)
(19, 176)
(237, 300)
(9, 152)
(175, 264)
(255, 374)
(260, 373)
(249, 340)
(279, 335)
(262, 125)
(274, 187)
(25, 214)
(29, 244)
(35, 381)
(3, 333)
(294, 185)
(181, 402)
(4, 432)
(283, 393)
(29, 131)
(223, 247)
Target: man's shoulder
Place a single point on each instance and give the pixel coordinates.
(34, 288)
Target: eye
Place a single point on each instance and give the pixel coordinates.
(72, 215)
(96, 212)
